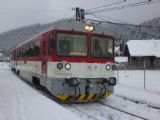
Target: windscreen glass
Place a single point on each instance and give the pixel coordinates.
(71, 45)
(101, 47)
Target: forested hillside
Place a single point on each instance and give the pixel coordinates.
(11, 38)
(147, 30)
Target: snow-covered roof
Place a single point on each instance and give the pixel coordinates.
(144, 47)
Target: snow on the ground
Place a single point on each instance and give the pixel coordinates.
(19, 101)
(150, 98)
(139, 109)
(131, 85)
(137, 78)
(99, 112)
(130, 88)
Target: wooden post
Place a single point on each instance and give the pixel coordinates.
(144, 65)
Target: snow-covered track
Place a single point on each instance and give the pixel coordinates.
(120, 110)
(98, 111)
(81, 112)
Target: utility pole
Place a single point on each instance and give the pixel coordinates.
(144, 74)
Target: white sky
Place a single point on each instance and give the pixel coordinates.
(17, 13)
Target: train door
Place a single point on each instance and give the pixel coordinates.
(44, 55)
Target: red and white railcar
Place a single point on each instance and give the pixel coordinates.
(73, 62)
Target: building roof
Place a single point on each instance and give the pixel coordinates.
(144, 47)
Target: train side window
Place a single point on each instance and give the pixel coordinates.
(31, 49)
(17, 55)
(26, 51)
(23, 51)
(44, 48)
(20, 52)
(37, 48)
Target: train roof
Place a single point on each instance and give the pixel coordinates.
(78, 26)
(74, 26)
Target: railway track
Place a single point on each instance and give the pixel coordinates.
(123, 111)
(80, 112)
(47, 94)
(79, 108)
(90, 117)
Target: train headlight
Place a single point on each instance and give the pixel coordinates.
(112, 81)
(86, 28)
(108, 67)
(114, 67)
(67, 66)
(59, 66)
(89, 28)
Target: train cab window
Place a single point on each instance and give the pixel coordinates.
(101, 47)
(71, 45)
(64, 47)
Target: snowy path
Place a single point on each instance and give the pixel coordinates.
(19, 101)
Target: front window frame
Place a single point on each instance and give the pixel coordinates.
(103, 37)
(80, 34)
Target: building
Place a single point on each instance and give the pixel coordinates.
(140, 52)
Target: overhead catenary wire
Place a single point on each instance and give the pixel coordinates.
(123, 23)
(111, 4)
(118, 7)
(114, 19)
(123, 7)
(119, 24)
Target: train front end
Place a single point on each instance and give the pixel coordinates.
(82, 68)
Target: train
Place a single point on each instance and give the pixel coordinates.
(74, 61)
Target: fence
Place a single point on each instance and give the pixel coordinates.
(138, 66)
(141, 76)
